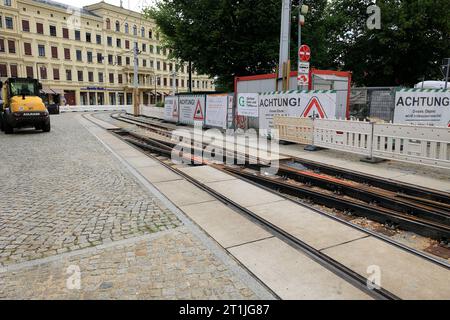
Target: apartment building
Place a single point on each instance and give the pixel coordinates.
(87, 53)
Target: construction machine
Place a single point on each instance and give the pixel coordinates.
(22, 106)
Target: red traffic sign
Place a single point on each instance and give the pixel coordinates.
(304, 53)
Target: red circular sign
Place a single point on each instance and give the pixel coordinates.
(304, 53)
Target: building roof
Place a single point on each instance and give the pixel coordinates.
(67, 7)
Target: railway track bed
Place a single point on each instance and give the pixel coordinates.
(301, 229)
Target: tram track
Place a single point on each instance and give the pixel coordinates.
(422, 211)
(161, 150)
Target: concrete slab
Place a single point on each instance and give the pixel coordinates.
(141, 161)
(183, 193)
(226, 226)
(101, 123)
(291, 274)
(158, 174)
(126, 151)
(427, 182)
(311, 227)
(206, 174)
(375, 170)
(244, 193)
(403, 274)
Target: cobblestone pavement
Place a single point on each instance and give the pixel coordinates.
(66, 201)
(171, 266)
(62, 191)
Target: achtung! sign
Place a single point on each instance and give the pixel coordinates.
(304, 104)
(191, 109)
(426, 107)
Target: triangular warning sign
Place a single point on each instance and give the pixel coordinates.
(198, 113)
(175, 109)
(313, 109)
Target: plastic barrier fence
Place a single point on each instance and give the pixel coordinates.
(415, 144)
(152, 112)
(408, 143)
(298, 130)
(349, 136)
(127, 108)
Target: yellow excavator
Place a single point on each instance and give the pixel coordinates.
(22, 107)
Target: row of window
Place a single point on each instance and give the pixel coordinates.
(118, 28)
(43, 75)
(112, 60)
(77, 36)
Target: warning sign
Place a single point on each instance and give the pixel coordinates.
(191, 108)
(171, 108)
(217, 110)
(321, 103)
(247, 104)
(314, 110)
(426, 107)
(198, 113)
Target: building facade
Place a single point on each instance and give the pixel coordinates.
(87, 54)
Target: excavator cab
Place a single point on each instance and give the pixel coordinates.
(22, 106)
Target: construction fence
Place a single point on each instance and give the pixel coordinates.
(375, 103)
(408, 143)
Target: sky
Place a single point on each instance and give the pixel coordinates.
(135, 5)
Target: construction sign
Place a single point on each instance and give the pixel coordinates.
(198, 113)
(191, 109)
(217, 110)
(171, 108)
(296, 103)
(426, 107)
(314, 110)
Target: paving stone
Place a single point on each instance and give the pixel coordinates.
(71, 196)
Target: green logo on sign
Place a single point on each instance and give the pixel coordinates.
(241, 101)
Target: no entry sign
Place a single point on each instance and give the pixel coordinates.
(304, 53)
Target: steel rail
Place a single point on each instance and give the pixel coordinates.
(334, 266)
(372, 233)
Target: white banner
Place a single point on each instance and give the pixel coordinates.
(192, 109)
(171, 109)
(427, 107)
(216, 110)
(316, 103)
(247, 104)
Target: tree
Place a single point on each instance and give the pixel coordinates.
(223, 38)
(413, 40)
(228, 38)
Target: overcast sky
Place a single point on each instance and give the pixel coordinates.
(135, 5)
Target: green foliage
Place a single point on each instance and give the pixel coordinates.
(225, 38)
(222, 38)
(413, 40)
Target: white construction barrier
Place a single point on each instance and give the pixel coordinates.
(408, 143)
(126, 108)
(415, 144)
(152, 112)
(297, 130)
(349, 136)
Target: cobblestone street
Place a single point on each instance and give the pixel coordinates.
(68, 205)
